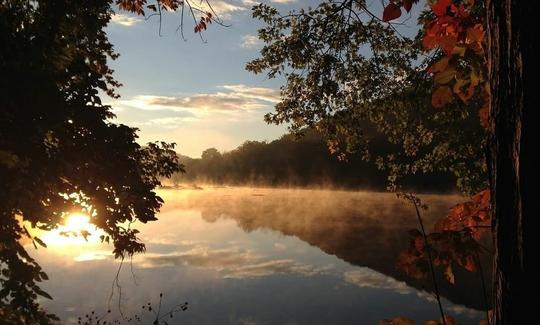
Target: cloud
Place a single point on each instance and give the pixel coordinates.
(283, 1)
(250, 41)
(235, 98)
(124, 20)
(137, 117)
(223, 9)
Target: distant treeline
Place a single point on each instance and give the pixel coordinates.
(288, 161)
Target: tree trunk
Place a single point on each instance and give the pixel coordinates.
(512, 33)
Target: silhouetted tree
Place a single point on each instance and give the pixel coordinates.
(344, 65)
(60, 150)
(513, 49)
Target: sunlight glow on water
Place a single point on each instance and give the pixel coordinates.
(243, 255)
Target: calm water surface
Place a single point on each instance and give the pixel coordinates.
(260, 256)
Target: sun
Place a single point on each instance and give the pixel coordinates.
(77, 222)
(70, 233)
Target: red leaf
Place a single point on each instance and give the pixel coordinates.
(407, 4)
(440, 7)
(441, 97)
(391, 12)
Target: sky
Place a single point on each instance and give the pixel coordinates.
(192, 92)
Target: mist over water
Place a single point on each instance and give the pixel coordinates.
(264, 256)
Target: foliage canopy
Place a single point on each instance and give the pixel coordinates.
(60, 150)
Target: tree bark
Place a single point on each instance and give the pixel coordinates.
(512, 34)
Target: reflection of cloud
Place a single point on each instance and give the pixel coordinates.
(231, 263)
(267, 268)
(218, 259)
(250, 41)
(367, 278)
(124, 20)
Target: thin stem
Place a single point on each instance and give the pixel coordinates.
(483, 281)
(428, 251)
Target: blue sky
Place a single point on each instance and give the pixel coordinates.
(196, 94)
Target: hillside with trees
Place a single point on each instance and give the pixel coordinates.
(296, 162)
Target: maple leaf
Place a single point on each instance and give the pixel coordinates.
(440, 65)
(445, 76)
(407, 5)
(449, 274)
(440, 7)
(391, 12)
(441, 97)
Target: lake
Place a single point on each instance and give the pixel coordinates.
(260, 256)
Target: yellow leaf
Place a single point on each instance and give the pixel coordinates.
(445, 76)
(475, 78)
(440, 65)
(441, 97)
(458, 50)
(449, 274)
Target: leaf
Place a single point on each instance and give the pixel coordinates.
(449, 320)
(407, 4)
(459, 50)
(440, 65)
(391, 12)
(42, 293)
(449, 274)
(441, 97)
(470, 264)
(445, 76)
(475, 34)
(39, 241)
(396, 321)
(483, 113)
(439, 8)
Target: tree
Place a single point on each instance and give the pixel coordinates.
(343, 65)
(60, 150)
(512, 53)
(355, 78)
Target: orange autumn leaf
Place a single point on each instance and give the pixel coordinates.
(445, 76)
(440, 7)
(483, 113)
(441, 97)
(449, 274)
(440, 65)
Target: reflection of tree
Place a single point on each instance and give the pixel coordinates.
(360, 228)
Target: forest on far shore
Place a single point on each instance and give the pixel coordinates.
(297, 162)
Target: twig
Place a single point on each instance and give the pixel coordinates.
(416, 202)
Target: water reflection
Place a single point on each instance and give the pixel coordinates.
(255, 256)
